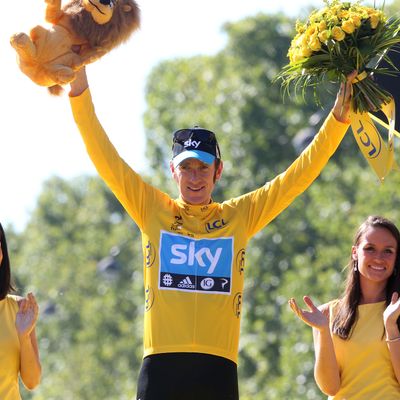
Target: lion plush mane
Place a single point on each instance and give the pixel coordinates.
(81, 32)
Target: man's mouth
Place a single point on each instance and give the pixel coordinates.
(193, 189)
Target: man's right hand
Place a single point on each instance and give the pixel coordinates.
(79, 84)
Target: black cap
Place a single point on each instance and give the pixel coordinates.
(196, 143)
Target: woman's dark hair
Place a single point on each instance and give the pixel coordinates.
(5, 270)
(346, 313)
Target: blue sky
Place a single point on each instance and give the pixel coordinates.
(38, 137)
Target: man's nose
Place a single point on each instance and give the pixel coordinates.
(194, 174)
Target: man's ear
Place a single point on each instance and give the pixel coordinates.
(172, 169)
(218, 172)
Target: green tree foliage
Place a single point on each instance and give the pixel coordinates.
(91, 317)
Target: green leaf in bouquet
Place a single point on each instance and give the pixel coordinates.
(318, 59)
(366, 48)
(332, 75)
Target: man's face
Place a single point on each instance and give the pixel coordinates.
(195, 180)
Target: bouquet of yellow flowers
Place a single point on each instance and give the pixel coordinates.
(338, 39)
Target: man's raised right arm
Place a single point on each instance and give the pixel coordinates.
(125, 183)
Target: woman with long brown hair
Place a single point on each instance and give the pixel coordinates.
(19, 354)
(357, 337)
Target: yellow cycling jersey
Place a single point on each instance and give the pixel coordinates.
(194, 256)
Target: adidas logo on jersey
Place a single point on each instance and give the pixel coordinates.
(186, 283)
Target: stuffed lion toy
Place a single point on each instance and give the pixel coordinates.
(80, 33)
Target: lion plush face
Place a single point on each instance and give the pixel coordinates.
(124, 19)
(101, 10)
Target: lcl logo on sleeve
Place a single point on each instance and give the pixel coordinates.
(195, 265)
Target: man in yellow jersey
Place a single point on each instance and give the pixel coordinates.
(194, 248)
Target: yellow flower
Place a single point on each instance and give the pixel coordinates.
(363, 14)
(324, 36)
(333, 20)
(348, 26)
(306, 51)
(356, 20)
(316, 16)
(374, 19)
(313, 18)
(304, 40)
(335, 10)
(300, 28)
(338, 34)
(310, 30)
(296, 42)
(295, 57)
(315, 44)
(322, 26)
(343, 14)
(295, 54)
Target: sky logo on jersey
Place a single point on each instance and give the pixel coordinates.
(201, 265)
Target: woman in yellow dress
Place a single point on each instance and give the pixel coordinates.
(357, 337)
(19, 353)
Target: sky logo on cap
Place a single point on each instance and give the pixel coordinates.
(192, 143)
